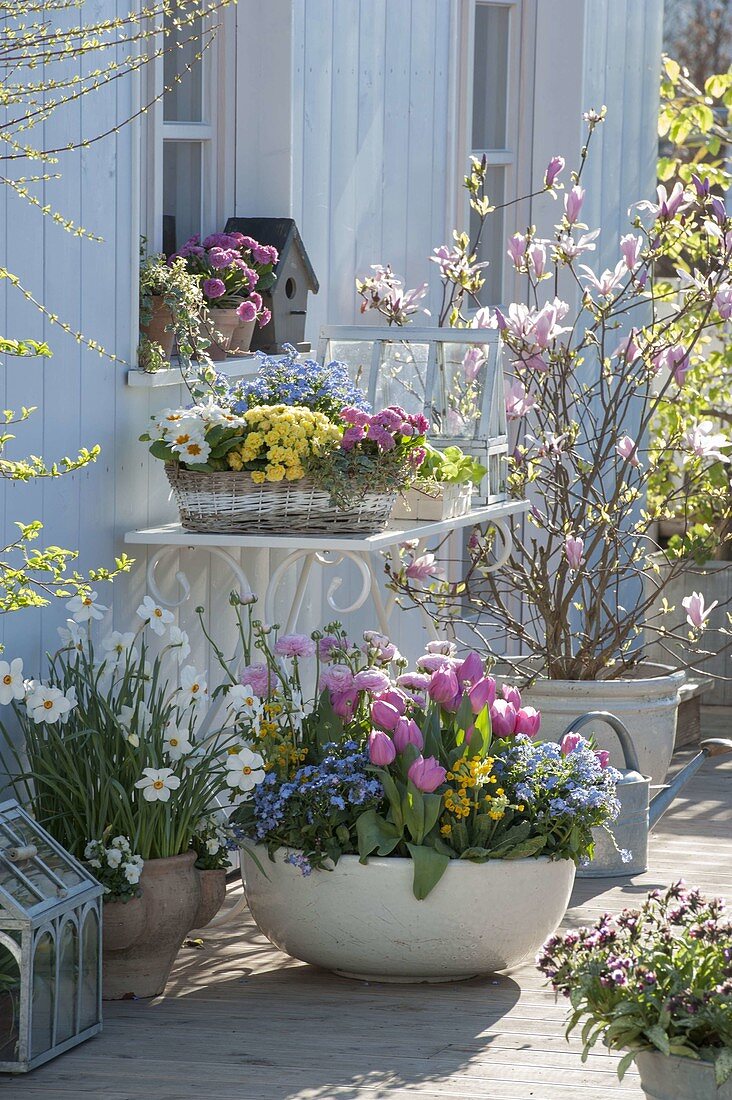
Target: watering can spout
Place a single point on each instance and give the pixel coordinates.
(713, 746)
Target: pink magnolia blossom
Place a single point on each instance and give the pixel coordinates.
(631, 247)
(674, 359)
(696, 612)
(407, 732)
(570, 742)
(382, 750)
(294, 645)
(701, 441)
(573, 201)
(537, 255)
(503, 718)
(567, 248)
(426, 774)
(473, 360)
(573, 548)
(517, 250)
(627, 349)
(668, 206)
(528, 721)
(553, 169)
(627, 448)
(424, 567)
(608, 282)
(518, 401)
(723, 301)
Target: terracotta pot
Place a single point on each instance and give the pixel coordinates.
(156, 329)
(241, 341)
(213, 893)
(137, 960)
(219, 327)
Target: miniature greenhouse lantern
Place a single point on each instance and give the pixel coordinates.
(50, 945)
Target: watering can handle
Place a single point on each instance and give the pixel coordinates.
(618, 727)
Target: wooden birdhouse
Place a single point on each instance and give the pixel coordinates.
(288, 298)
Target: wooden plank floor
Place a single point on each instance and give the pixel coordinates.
(240, 1021)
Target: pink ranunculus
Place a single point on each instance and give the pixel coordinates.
(430, 662)
(696, 612)
(528, 721)
(395, 699)
(372, 680)
(294, 645)
(384, 715)
(344, 703)
(570, 742)
(426, 774)
(573, 548)
(213, 288)
(337, 678)
(326, 645)
(407, 732)
(259, 678)
(482, 693)
(573, 201)
(553, 169)
(444, 687)
(443, 646)
(503, 718)
(413, 681)
(247, 311)
(603, 758)
(471, 669)
(382, 750)
(511, 694)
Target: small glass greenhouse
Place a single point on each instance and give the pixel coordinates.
(50, 945)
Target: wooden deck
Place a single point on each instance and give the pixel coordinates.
(240, 1021)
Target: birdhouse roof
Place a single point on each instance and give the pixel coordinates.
(280, 232)
(36, 873)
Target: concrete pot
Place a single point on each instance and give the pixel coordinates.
(213, 894)
(143, 939)
(647, 705)
(156, 330)
(363, 921)
(672, 1078)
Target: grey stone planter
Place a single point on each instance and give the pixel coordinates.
(671, 1078)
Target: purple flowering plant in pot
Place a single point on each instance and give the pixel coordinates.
(418, 786)
(656, 983)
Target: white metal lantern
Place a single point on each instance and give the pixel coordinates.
(50, 945)
(454, 376)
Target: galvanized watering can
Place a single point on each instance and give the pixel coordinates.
(638, 811)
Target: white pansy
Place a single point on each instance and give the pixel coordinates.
(95, 863)
(244, 702)
(121, 842)
(177, 742)
(119, 646)
(12, 684)
(47, 704)
(134, 722)
(179, 639)
(113, 857)
(244, 769)
(83, 608)
(132, 873)
(154, 615)
(213, 846)
(157, 783)
(193, 685)
(73, 635)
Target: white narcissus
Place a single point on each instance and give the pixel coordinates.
(157, 783)
(245, 769)
(246, 704)
(73, 635)
(134, 721)
(179, 639)
(177, 742)
(83, 608)
(118, 645)
(47, 704)
(12, 685)
(193, 685)
(156, 617)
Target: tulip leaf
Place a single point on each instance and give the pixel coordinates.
(432, 807)
(432, 730)
(392, 793)
(464, 717)
(375, 834)
(723, 1066)
(414, 813)
(429, 867)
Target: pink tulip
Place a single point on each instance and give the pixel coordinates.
(344, 703)
(382, 750)
(482, 693)
(471, 669)
(603, 758)
(696, 613)
(426, 774)
(573, 552)
(503, 718)
(444, 687)
(407, 732)
(553, 169)
(395, 699)
(528, 721)
(511, 695)
(573, 203)
(384, 715)
(570, 742)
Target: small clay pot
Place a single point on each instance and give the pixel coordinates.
(156, 330)
(219, 327)
(139, 952)
(213, 893)
(241, 341)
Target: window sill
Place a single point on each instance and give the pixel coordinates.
(243, 366)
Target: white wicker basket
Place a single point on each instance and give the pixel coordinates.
(230, 502)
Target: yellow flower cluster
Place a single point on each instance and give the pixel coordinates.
(284, 436)
(276, 743)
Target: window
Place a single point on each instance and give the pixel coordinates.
(490, 42)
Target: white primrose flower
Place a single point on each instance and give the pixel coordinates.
(154, 615)
(157, 783)
(12, 685)
(179, 639)
(85, 608)
(195, 451)
(47, 704)
(166, 420)
(192, 686)
(245, 769)
(177, 742)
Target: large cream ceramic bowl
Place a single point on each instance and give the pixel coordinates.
(363, 921)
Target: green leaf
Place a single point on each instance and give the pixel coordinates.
(625, 1063)
(723, 1066)
(392, 793)
(528, 848)
(160, 449)
(414, 816)
(429, 867)
(375, 834)
(432, 808)
(476, 854)
(658, 1037)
